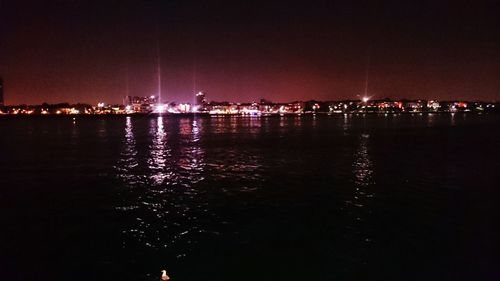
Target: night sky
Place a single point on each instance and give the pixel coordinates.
(90, 51)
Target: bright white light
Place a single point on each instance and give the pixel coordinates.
(129, 109)
(160, 108)
(184, 107)
(365, 99)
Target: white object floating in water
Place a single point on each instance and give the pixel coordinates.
(164, 275)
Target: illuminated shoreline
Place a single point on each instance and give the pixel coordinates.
(191, 114)
(150, 105)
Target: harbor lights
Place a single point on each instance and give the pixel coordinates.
(160, 108)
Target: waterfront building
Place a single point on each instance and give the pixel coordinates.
(248, 108)
(414, 105)
(140, 104)
(183, 108)
(201, 99)
(266, 106)
(433, 105)
(453, 106)
(200, 102)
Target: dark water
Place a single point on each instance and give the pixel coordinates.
(408, 197)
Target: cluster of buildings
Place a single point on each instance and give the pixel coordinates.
(265, 107)
(152, 105)
(400, 106)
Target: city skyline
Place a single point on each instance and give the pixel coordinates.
(152, 105)
(88, 51)
(196, 101)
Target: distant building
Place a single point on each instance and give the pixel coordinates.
(201, 99)
(433, 105)
(140, 100)
(184, 108)
(1, 92)
(201, 102)
(140, 104)
(414, 105)
(453, 106)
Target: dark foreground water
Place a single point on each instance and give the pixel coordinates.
(408, 197)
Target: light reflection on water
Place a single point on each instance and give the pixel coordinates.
(191, 162)
(158, 152)
(358, 208)
(75, 134)
(166, 194)
(230, 162)
(362, 164)
(176, 168)
(102, 130)
(162, 196)
(266, 194)
(297, 121)
(128, 157)
(346, 125)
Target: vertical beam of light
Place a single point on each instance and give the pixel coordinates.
(127, 86)
(194, 82)
(158, 60)
(367, 72)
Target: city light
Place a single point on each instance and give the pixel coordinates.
(160, 108)
(149, 105)
(184, 107)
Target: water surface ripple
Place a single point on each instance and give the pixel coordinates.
(341, 197)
